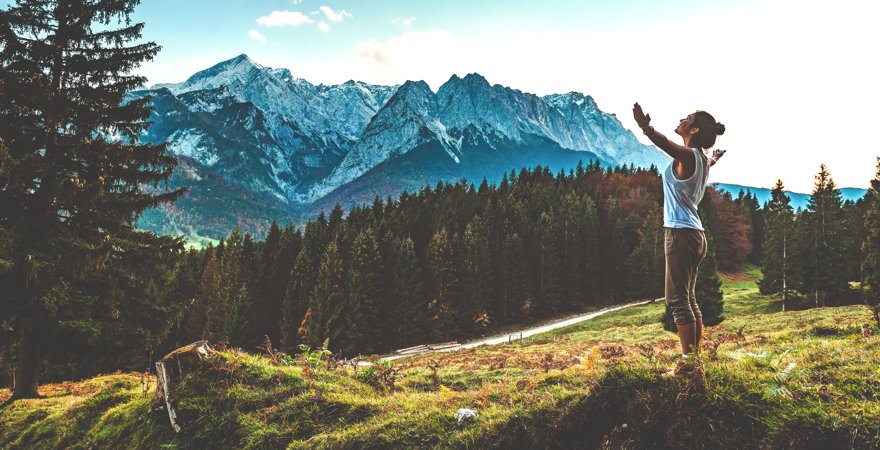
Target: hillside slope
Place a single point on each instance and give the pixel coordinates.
(799, 379)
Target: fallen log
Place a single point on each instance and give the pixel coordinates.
(172, 368)
(443, 345)
(411, 349)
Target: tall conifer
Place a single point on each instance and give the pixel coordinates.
(778, 218)
(409, 296)
(72, 175)
(824, 219)
(327, 300)
(871, 244)
(362, 320)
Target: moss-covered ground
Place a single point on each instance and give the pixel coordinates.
(808, 378)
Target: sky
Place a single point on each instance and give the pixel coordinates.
(794, 81)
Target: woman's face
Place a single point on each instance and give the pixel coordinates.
(684, 126)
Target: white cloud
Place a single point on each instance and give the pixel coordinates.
(430, 56)
(334, 16)
(256, 35)
(405, 22)
(296, 2)
(284, 18)
(324, 27)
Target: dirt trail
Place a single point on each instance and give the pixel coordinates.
(509, 336)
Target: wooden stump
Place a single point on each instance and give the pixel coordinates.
(172, 368)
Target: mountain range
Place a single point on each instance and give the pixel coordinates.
(257, 144)
(798, 200)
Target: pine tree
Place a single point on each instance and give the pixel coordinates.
(646, 264)
(825, 218)
(758, 225)
(184, 286)
(589, 284)
(854, 234)
(72, 176)
(236, 322)
(303, 278)
(296, 300)
(335, 220)
(362, 333)
(267, 307)
(327, 300)
(573, 242)
(513, 279)
(871, 244)
(478, 274)
(778, 217)
(409, 296)
(235, 284)
(445, 289)
(549, 288)
(251, 334)
(200, 314)
(289, 245)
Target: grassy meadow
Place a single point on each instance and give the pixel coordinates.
(808, 378)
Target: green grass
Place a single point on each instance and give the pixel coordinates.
(798, 379)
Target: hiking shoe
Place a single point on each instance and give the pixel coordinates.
(683, 367)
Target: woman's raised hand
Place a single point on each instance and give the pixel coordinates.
(718, 153)
(641, 118)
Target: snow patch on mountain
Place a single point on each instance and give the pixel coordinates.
(188, 143)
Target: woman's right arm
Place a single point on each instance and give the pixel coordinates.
(674, 150)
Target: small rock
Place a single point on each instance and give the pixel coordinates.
(465, 416)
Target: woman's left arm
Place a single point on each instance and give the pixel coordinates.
(716, 155)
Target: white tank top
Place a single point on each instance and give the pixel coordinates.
(681, 197)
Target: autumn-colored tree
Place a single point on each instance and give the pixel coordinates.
(734, 245)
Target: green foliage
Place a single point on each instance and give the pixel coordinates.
(408, 307)
(315, 358)
(823, 221)
(871, 242)
(647, 263)
(779, 218)
(364, 294)
(327, 299)
(80, 278)
(381, 375)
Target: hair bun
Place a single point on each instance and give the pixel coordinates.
(719, 128)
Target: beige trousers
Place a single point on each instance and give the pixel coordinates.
(685, 249)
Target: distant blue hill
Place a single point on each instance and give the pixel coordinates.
(798, 200)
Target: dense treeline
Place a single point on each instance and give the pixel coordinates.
(815, 253)
(447, 263)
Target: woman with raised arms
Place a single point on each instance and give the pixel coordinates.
(684, 182)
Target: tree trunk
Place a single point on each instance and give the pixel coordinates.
(27, 365)
(172, 369)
